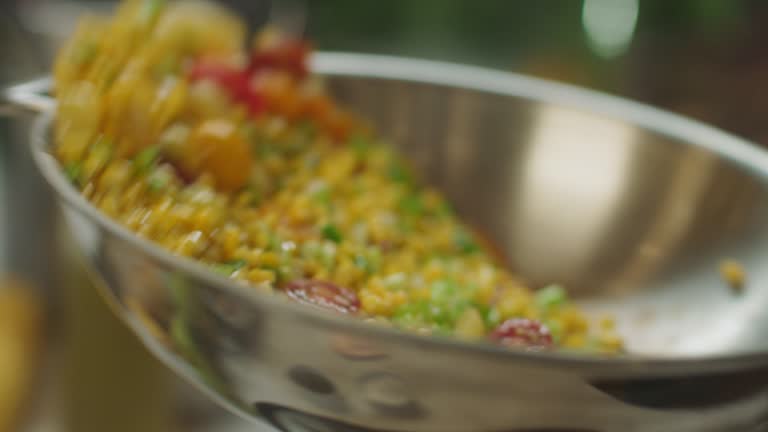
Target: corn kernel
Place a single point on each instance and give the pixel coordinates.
(577, 340)
(470, 325)
(733, 273)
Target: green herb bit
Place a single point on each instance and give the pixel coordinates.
(551, 296)
(395, 282)
(146, 159)
(411, 315)
(443, 290)
(330, 232)
(412, 205)
(266, 149)
(555, 329)
(446, 314)
(399, 173)
(328, 255)
(159, 179)
(445, 210)
(359, 144)
(229, 267)
(274, 242)
(74, 171)
(285, 273)
(323, 196)
(307, 128)
(157, 184)
(492, 317)
(256, 198)
(373, 256)
(448, 301)
(362, 262)
(464, 242)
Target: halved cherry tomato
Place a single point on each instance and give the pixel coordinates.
(286, 55)
(235, 82)
(522, 332)
(324, 294)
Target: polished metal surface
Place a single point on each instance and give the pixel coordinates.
(630, 207)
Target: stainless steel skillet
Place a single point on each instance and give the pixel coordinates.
(630, 207)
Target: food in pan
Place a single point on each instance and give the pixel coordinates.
(236, 156)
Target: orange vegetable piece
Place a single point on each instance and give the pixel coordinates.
(332, 120)
(216, 147)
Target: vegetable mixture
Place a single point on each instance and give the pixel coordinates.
(238, 158)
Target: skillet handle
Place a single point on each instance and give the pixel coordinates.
(27, 97)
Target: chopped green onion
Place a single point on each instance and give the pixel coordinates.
(374, 258)
(156, 184)
(445, 210)
(491, 317)
(411, 315)
(146, 159)
(359, 145)
(411, 204)
(323, 196)
(307, 129)
(256, 198)
(399, 173)
(274, 242)
(464, 242)
(330, 232)
(285, 273)
(73, 172)
(265, 149)
(448, 301)
(443, 290)
(229, 267)
(550, 296)
(395, 282)
(445, 315)
(158, 180)
(328, 255)
(362, 262)
(555, 329)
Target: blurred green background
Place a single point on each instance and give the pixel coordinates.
(703, 58)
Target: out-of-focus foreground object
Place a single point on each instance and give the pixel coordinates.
(21, 339)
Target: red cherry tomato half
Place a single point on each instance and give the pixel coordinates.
(235, 82)
(324, 294)
(288, 55)
(522, 332)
